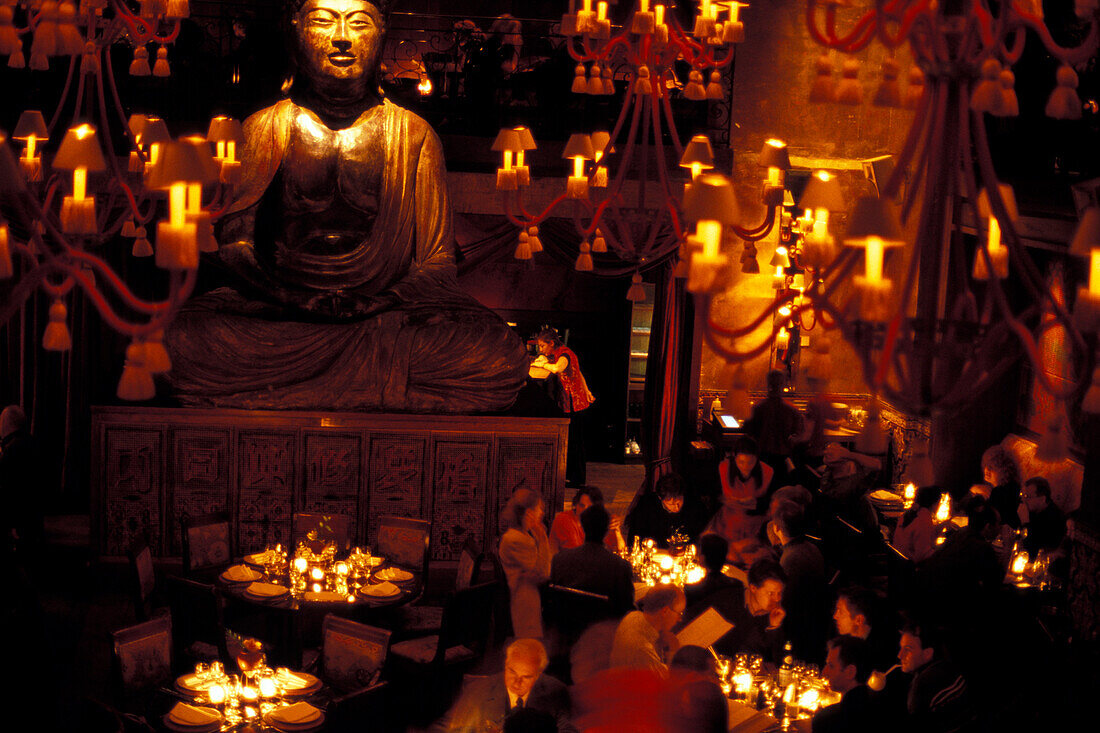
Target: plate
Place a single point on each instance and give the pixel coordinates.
(384, 589)
(296, 683)
(260, 559)
(190, 684)
(324, 596)
(240, 574)
(264, 591)
(173, 725)
(312, 718)
(395, 575)
(177, 724)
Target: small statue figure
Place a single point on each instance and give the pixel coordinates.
(341, 243)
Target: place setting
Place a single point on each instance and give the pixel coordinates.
(192, 718)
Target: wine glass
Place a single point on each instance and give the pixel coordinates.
(250, 657)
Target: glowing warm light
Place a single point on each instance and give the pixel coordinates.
(643, 6)
(1019, 563)
(316, 587)
(80, 183)
(696, 169)
(910, 493)
(578, 166)
(341, 568)
(1094, 271)
(317, 574)
(83, 131)
(601, 11)
(216, 694)
(249, 693)
(659, 14)
(943, 511)
(875, 248)
(425, 86)
(824, 176)
(300, 564)
(695, 574)
(664, 562)
(709, 232)
(785, 310)
(809, 700)
(250, 712)
(267, 687)
(742, 682)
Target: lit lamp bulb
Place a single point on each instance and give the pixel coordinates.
(79, 153)
(808, 700)
(704, 21)
(733, 30)
(698, 156)
(874, 227)
(603, 23)
(226, 133)
(644, 20)
(909, 494)
(424, 86)
(821, 195)
(342, 569)
(526, 142)
(586, 18)
(943, 511)
(579, 148)
(507, 143)
(31, 128)
(1086, 243)
(710, 202)
(775, 157)
(1019, 563)
(998, 254)
(181, 166)
(782, 339)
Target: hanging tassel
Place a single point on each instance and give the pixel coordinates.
(915, 91)
(140, 65)
(177, 9)
(9, 37)
(136, 382)
(849, 91)
(608, 82)
(156, 356)
(642, 84)
(694, 89)
(69, 40)
(129, 229)
(6, 267)
(89, 62)
(56, 337)
(987, 96)
(45, 33)
(1053, 445)
(523, 249)
(142, 248)
(1064, 104)
(595, 82)
(533, 239)
(636, 293)
(824, 87)
(16, 60)
(584, 259)
(39, 62)
(889, 91)
(599, 244)
(872, 439)
(160, 68)
(749, 263)
(1011, 106)
(580, 83)
(714, 87)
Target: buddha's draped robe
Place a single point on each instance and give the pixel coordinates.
(324, 219)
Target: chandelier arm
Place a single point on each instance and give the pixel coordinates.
(755, 234)
(643, 160)
(64, 95)
(666, 104)
(728, 354)
(1011, 54)
(132, 20)
(1072, 56)
(162, 314)
(631, 138)
(508, 210)
(839, 267)
(1032, 349)
(119, 108)
(714, 326)
(620, 120)
(904, 20)
(111, 155)
(23, 290)
(893, 183)
(831, 40)
(662, 165)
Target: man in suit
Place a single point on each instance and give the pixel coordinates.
(847, 667)
(591, 567)
(488, 702)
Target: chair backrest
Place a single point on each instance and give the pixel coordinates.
(404, 542)
(467, 617)
(198, 612)
(207, 541)
(143, 654)
(326, 527)
(143, 577)
(352, 654)
(468, 560)
(572, 610)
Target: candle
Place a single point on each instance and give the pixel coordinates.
(601, 11)
(1094, 272)
(873, 270)
(659, 14)
(317, 574)
(300, 564)
(216, 694)
(267, 687)
(910, 494)
(943, 511)
(1019, 563)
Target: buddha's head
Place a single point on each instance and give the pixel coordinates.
(338, 43)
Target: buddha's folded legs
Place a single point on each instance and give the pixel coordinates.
(431, 358)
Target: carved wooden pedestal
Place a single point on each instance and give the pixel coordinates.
(156, 466)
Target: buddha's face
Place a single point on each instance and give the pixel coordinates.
(339, 40)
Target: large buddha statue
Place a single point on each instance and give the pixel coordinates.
(341, 244)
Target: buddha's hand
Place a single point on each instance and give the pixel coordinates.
(341, 305)
(239, 256)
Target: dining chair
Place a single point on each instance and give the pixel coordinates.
(352, 654)
(142, 661)
(198, 613)
(327, 528)
(404, 542)
(207, 543)
(462, 638)
(143, 578)
(411, 621)
(567, 614)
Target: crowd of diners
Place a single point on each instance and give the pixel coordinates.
(923, 634)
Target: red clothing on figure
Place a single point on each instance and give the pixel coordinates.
(732, 520)
(566, 533)
(574, 395)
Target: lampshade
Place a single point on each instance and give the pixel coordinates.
(507, 140)
(822, 192)
(182, 162)
(698, 151)
(1007, 195)
(225, 129)
(526, 139)
(711, 197)
(774, 155)
(154, 131)
(10, 178)
(1087, 236)
(780, 258)
(137, 123)
(788, 199)
(873, 217)
(579, 146)
(206, 155)
(30, 123)
(80, 149)
(601, 140)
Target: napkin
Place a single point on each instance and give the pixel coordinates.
(381, 590)
(884, 495)
(185, 714)
(324, 595)
(194, 682)
(266, 590)
(394, 574)
(291, 681)
(241, 574)
(261, 558)
(296, 714)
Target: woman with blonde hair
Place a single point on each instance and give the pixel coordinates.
(525, 557)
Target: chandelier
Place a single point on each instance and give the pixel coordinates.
(643, 55)
(61, 216)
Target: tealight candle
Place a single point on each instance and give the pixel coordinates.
(316, 587)
(317, 574)
(267, 687)
(300, 564)
(216, 694)
(341, 568)
(249, 693)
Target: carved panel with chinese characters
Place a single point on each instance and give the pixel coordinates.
(332, 476)
(200, 477)
(526, 463)
(132, 487)
(396, 478)
(459, 474)
(265, 479)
